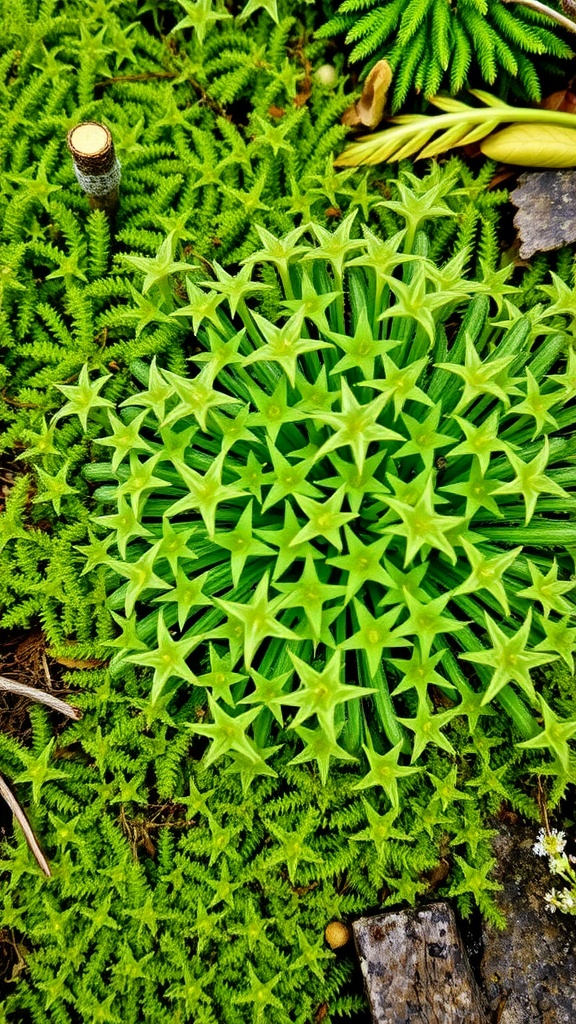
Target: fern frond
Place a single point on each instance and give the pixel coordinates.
(499, 40)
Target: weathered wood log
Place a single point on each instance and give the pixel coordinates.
(415, 968)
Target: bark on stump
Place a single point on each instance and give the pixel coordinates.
(415, 968)
(529, 969)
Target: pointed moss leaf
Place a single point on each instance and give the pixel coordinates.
(561, 638)
(380, 829)
(168, 658)
(425, 440)
(421, 525)
(141, 577)
(228, 733)
(321, 748)
(385, 773)
(356, 485)
(284, 345)
(125, 523)
(531, 480)
(398, 384)
(355, 426)
(242, 544)
(487, 573)
(220, 677)
(197, 397)
(54, 488)
(374, 635)
(155, 396)
(324, 520)
(289, 548)
(554, 737)
(268, 693)
(362, 350)
(310, 593)
(287, 478)
(141, 481)
(125, 437)
(257, 618)
(320, 693)
(83, 397)
(509, 658)
(205, 492)
(362, 563)
(481, 377)
(426, 621)
(427, 728)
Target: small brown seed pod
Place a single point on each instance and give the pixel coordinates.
(95, 164)
(337, 934)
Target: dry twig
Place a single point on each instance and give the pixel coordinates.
(22, 820)
(541, 8)
(11, 686)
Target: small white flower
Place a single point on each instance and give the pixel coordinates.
(549, 844)
(558, 865)
(538, 847)
(566, 901)
(551, 901)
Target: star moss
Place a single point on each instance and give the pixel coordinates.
(322, 517)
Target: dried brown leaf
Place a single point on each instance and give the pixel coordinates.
(564, 99)
(81, 663)
(369, 109)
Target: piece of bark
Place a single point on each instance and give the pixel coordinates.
(546, 217)
(415, 968)
(529, 969)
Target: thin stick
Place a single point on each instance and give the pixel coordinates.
(535, 5)
(22, 820)
(33, 693)
(119, 79)
(46, 671)
(542, 806)
(145, 77)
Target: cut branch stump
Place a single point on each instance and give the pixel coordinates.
(95, 164)
(415, 968)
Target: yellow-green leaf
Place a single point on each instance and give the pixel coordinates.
(531, 145)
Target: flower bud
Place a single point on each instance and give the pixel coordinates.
(326, 75)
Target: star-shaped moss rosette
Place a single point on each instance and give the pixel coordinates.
(344, 500)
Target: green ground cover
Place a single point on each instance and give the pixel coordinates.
(287, 455)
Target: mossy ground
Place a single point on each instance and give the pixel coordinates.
(181, 889)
